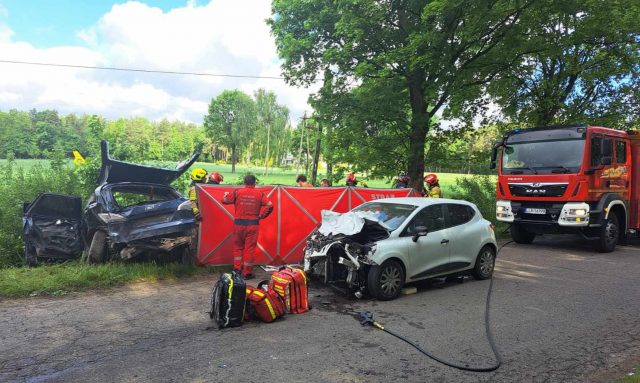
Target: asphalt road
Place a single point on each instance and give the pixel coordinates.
(560, 312)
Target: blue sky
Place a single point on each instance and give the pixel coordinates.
(49, 23)
(205, 36)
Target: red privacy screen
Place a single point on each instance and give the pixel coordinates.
(282, 236)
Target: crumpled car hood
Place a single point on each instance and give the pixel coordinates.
(349, 223)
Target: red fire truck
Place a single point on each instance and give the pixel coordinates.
(569, 179)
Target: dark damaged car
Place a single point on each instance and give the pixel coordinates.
(132, 213)
(382, 245)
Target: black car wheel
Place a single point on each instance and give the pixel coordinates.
(609, 234)
(385, 281)
(485, 262)
(98, 249)
(521, 235)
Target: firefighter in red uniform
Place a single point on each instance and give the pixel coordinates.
(251, 206)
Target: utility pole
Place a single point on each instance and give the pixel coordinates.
(316, 156)
(304, 128)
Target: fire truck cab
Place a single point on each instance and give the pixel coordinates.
(568, 179)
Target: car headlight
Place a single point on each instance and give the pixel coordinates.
(574, 214)
(503, 211)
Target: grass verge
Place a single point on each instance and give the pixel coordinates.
(633, 377)
(66, 278)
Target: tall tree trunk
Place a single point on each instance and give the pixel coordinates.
(418, 132)
(233, 158)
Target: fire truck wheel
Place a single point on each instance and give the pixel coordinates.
(521, 235)
(609, 234)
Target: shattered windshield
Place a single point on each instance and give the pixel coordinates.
(391, 214)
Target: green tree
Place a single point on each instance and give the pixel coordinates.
(95, 127)
(272, 119)
(440, 52)
(17, 135)
(584, 69)
(231, 121)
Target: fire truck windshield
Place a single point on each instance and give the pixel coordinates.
(543, 156)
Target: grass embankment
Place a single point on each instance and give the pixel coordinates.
(70, 277)
(634, 377)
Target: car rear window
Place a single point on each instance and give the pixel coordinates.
(129, 196)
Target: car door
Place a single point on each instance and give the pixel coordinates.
(465, 235)
(52, 227)
(430, 253)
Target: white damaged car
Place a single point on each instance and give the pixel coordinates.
(381, 245)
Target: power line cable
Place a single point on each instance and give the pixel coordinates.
(138, 70)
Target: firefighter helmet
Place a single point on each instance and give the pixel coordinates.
(216, 178)
(431, 179)
(198, 174)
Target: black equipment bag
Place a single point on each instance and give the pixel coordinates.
(228, 300)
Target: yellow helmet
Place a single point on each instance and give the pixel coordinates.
(198, 174)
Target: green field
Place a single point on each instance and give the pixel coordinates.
(276, 175)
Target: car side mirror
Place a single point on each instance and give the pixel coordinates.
(421, 231)
(25, 206)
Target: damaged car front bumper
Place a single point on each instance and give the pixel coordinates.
(341, 251)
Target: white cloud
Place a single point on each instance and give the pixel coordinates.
(220, 37)
(5, 33)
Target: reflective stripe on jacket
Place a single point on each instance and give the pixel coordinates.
(193, 197)
(251, 204)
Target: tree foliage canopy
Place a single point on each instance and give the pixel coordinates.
(391, 68)
(429, 55)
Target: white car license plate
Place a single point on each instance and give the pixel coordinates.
(530, 210)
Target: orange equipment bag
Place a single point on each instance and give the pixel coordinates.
(291, 284)
(265, 305)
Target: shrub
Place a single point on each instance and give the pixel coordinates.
(481, 190)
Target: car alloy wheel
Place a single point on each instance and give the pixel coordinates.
(390, 280)
(486, 261)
